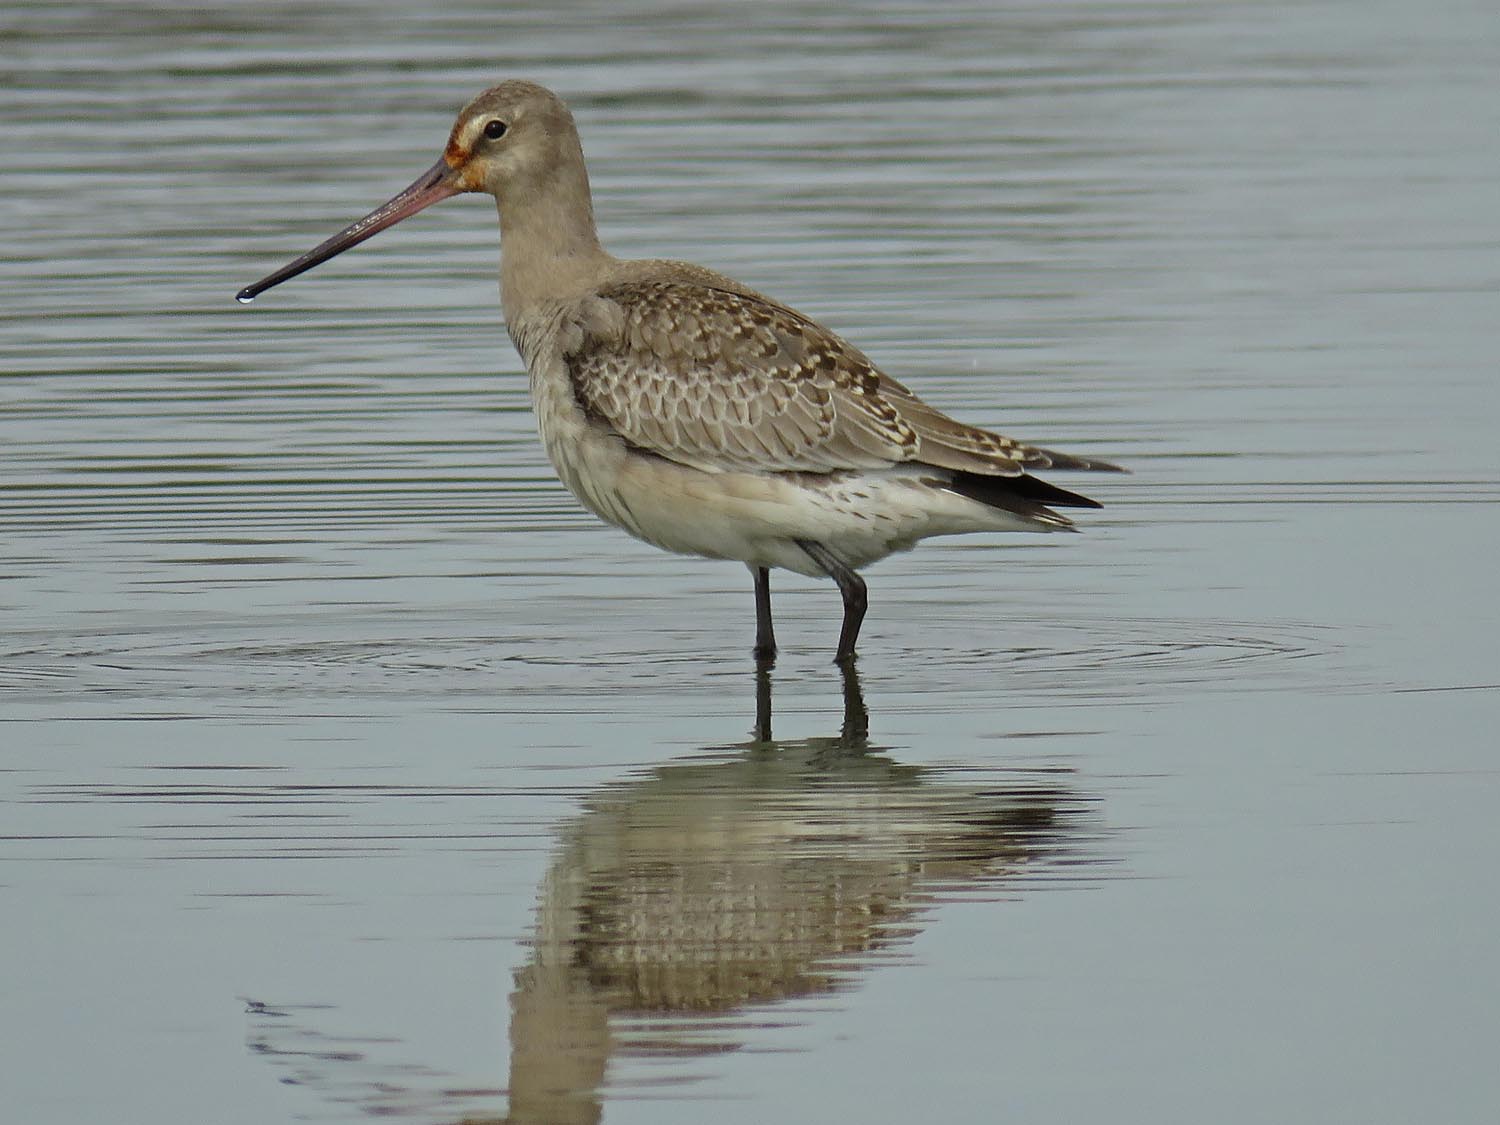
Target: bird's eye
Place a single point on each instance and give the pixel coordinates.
(495, 129)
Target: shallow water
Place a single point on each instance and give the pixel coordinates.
(350, 769)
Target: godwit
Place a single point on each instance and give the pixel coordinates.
(696, 413)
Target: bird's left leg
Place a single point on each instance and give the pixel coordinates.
(851, 585)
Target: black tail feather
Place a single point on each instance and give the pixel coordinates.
(1016, 494)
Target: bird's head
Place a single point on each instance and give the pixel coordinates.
(514, 140)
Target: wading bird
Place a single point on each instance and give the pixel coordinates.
(697, 414)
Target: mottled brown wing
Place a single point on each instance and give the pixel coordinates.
(725, 381)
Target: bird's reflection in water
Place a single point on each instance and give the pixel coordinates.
(686, 905)
(683, 904)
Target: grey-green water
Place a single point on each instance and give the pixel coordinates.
(349, 769)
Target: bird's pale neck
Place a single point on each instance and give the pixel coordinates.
(549, 247)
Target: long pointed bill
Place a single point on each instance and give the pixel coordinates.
(436, 184)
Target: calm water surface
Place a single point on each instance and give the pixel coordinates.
(349, 769)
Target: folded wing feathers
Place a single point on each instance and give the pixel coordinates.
(728, 381)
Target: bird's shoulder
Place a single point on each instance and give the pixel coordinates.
(691, 316)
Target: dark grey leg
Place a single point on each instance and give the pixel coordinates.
(765, 636)
(851, 585)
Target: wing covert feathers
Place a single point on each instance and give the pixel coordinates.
(725, 380)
